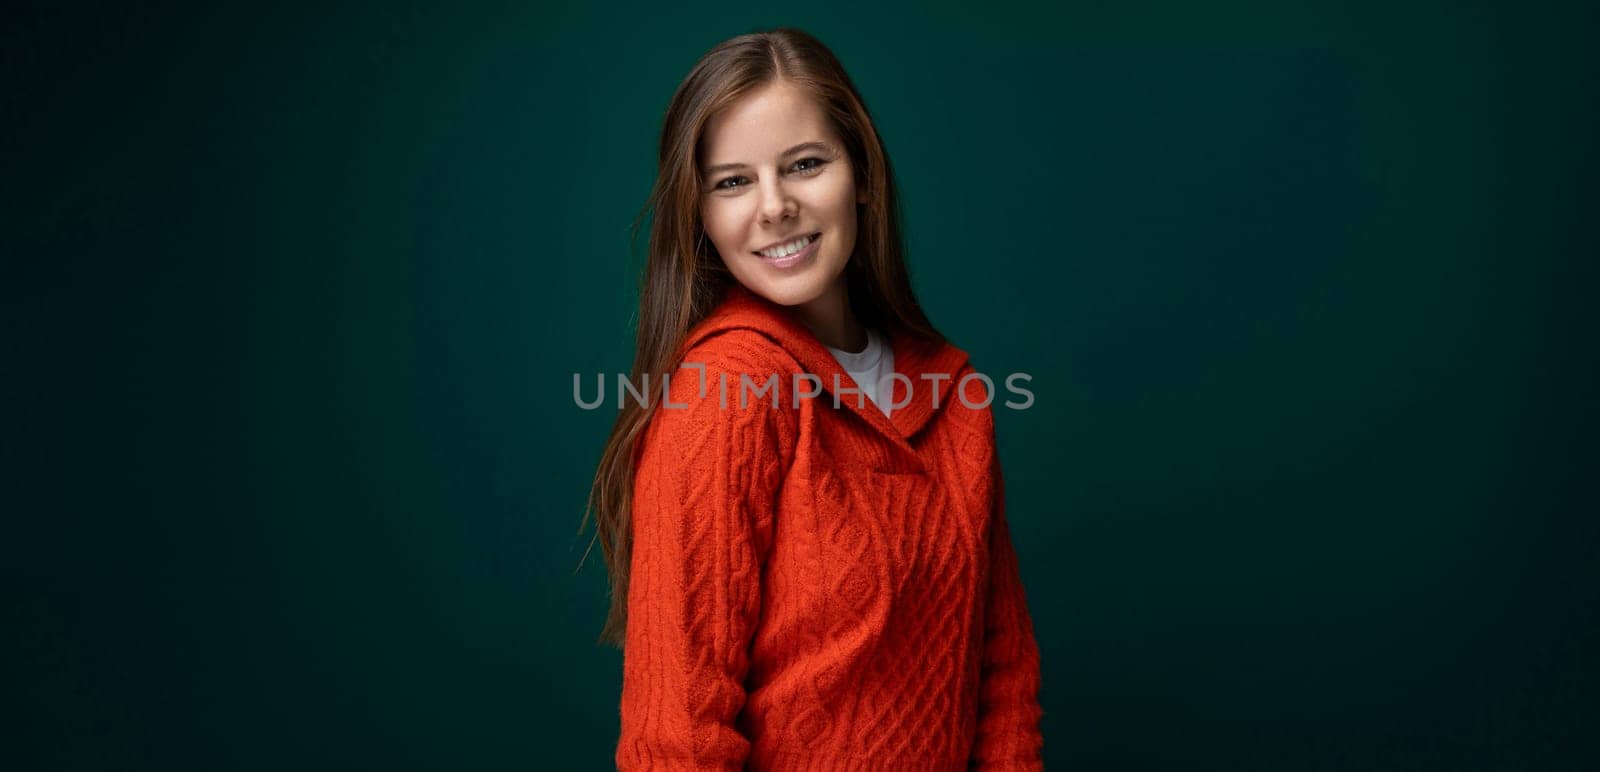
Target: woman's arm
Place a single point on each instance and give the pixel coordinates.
(703, 502)
(1008, 704)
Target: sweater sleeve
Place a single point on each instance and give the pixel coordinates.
(1008, 707)
(704, 494)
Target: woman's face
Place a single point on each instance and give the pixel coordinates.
(778, 197)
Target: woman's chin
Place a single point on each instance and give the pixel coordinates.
(795, 290)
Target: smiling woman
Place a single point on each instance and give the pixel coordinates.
(784, 222)
(802, 583)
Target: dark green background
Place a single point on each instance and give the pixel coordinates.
(293, 298)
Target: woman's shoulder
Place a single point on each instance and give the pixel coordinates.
(739, 351)
(722, 396)
(729, 377)
(745, 332)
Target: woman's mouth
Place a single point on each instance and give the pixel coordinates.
(790, 253)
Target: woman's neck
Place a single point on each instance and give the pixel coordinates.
(830, 319)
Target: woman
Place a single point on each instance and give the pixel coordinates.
(803, 523)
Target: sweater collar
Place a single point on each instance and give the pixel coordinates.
(931, 368)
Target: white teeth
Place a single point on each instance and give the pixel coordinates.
(784, 250)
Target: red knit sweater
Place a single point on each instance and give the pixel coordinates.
(821, 587)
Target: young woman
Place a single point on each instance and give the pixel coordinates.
(804, 522)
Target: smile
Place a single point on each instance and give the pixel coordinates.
(788, 248)
(793, 253)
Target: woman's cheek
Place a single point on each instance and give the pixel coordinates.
(721, 224)
(843, 195)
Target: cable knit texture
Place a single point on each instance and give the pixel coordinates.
(818, 586)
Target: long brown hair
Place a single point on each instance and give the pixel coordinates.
(684, 277)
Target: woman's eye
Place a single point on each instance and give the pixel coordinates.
(803, 165)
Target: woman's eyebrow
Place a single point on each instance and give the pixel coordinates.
(819, 147)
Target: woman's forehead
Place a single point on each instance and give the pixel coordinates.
(763, 125)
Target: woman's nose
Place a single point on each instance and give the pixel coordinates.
(776, 203)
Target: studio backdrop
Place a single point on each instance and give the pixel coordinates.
(293, 299)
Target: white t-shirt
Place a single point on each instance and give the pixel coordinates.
(871, 368)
